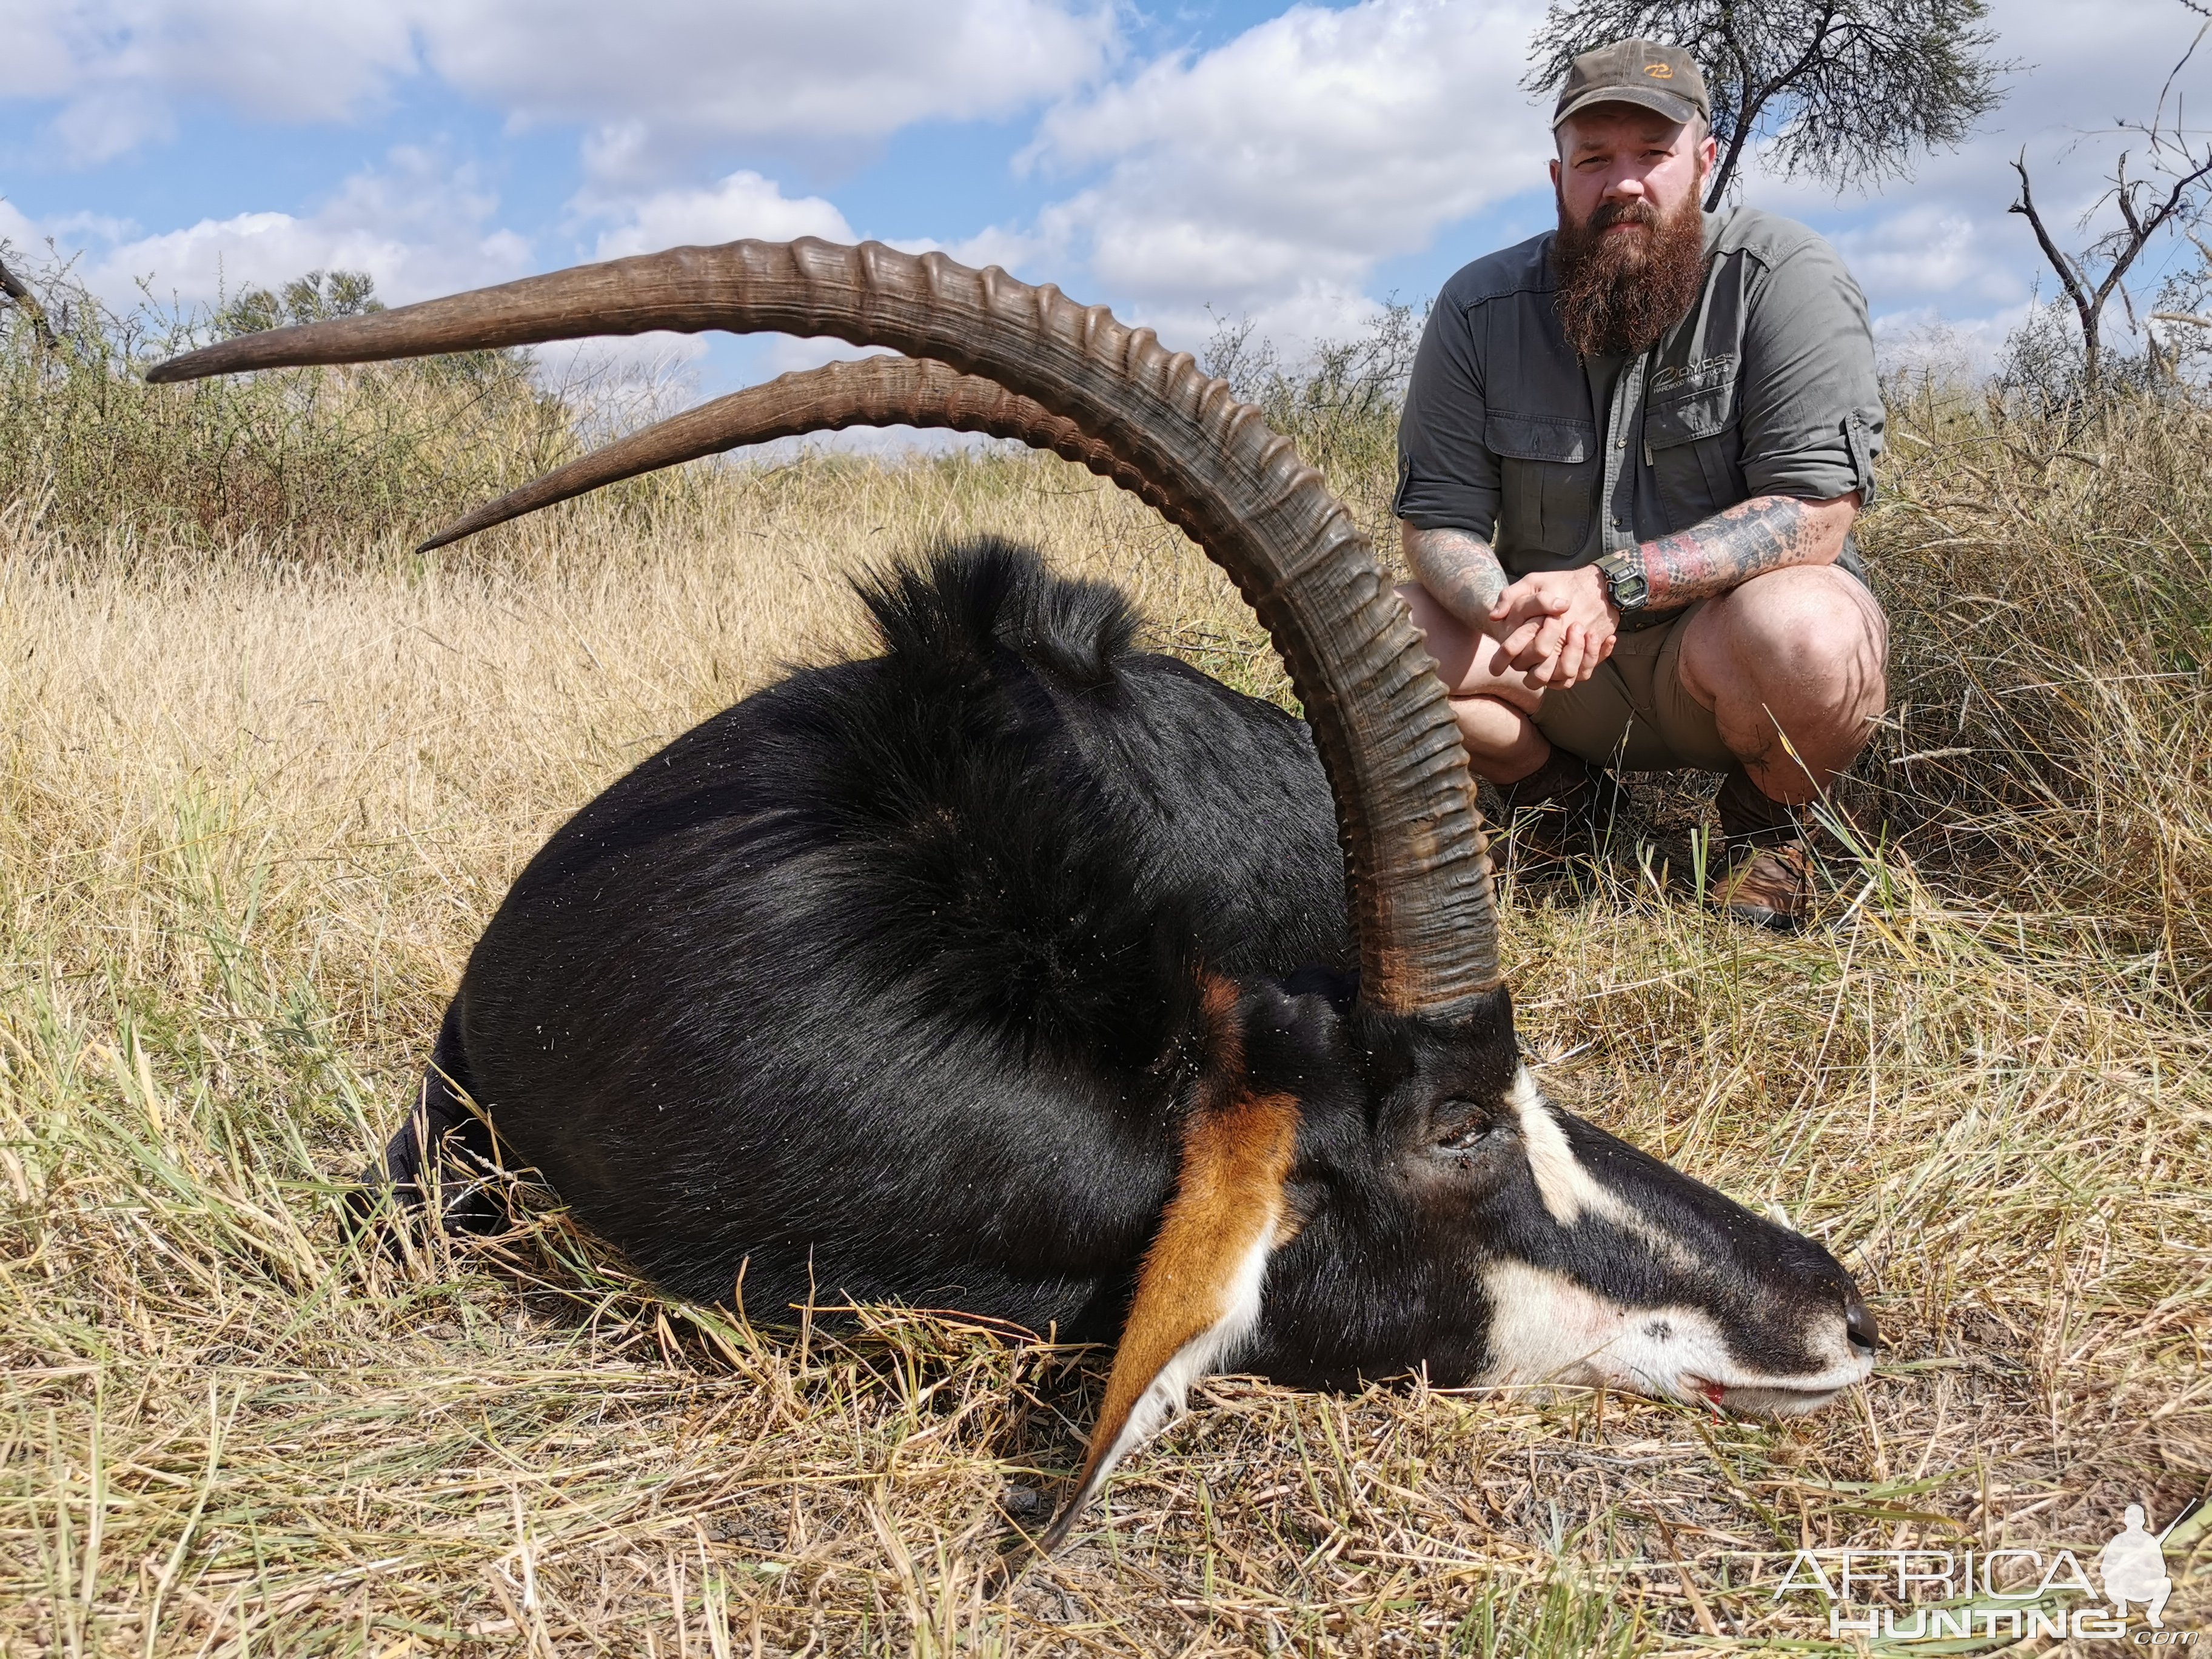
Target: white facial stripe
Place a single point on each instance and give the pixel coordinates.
(1569, 1190)
(1561, 1182)
(1545, 1327)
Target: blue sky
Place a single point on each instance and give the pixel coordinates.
(1293, 164)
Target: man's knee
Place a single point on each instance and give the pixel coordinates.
(1815, 630)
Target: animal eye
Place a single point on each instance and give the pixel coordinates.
(1466, 1132)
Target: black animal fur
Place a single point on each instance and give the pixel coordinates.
(881, 981)
(886, 985)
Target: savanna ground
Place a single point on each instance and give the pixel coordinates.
(263, 786)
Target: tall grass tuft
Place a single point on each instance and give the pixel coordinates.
(2048, 753)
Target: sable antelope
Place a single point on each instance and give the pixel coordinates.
(1016, 971)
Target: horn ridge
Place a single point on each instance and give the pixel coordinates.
(1418, 872)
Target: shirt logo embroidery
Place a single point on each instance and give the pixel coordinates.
(1706, 371)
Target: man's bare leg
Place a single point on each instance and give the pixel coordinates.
(1803, 652)
(1794, 664)
(1494, 704)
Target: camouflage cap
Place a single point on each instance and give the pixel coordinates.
(1662, 78)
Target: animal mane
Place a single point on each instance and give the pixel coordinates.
(979, 866)
(970, 600)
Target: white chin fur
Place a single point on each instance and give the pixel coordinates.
(1547, 1329)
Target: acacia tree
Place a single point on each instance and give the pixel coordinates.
(1847, 91)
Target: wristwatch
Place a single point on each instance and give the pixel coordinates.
(1624, 582)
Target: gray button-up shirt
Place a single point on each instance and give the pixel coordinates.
(1766, 387)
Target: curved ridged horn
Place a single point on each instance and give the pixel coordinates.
(1418, 871)
(872, 392)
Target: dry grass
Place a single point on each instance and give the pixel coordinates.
(256, 812)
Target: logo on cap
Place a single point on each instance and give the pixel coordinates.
(1659, 71)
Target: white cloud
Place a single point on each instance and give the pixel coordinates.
(995, 244)
(654, 76)
(17, 230)
(670, 74)
(419, 228)
(117, 67)
(1272, 175)
(1925, 248)
(743, 204)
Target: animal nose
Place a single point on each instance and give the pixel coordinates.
(1860, 1323)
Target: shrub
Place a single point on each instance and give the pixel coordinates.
(307, 461)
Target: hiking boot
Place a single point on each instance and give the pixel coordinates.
(1561, 807)
(1766, 874)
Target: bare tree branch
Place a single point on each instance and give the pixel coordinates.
(2145, 213)
(1746, 111)
(15, 288)
(1750, 106)
(2076, 289)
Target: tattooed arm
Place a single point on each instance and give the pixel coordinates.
(1557, 626)
(1767, 532)
(1459, 570)
(1462, 574)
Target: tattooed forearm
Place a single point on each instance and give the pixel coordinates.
(1459, 570)
(1767, 532)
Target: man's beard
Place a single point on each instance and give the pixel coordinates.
(1618, 294)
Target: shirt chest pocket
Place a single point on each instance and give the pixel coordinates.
(1548, 483)
(1694, 449)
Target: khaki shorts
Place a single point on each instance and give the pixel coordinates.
(1633, 714)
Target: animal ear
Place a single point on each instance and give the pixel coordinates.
(1198, 1292)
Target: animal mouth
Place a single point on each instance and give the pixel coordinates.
(1766, 1397)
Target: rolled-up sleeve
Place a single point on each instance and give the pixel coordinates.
(1812, 413)
(1446, 477)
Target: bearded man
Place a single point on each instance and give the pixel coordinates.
(1629, 463)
